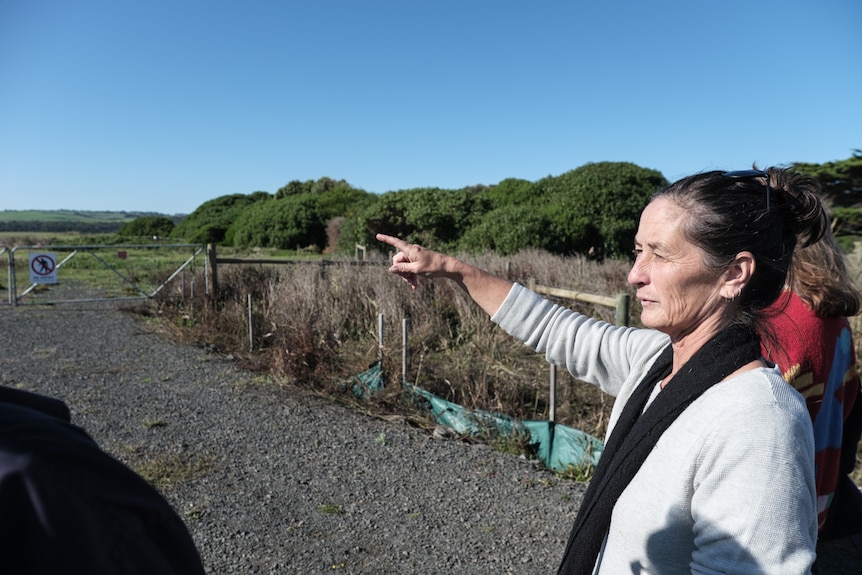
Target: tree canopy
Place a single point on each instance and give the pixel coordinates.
(841, 181)
(211, 222)
(592, 210)
(148, 226)
(291, 222)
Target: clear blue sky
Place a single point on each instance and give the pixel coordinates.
(161, 105)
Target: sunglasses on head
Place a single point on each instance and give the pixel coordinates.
(746, 174)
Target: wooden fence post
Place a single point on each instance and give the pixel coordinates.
(405, 323)
(213, 279)
(380, 338)
(552, 400)
(250, 325)
(622, 309)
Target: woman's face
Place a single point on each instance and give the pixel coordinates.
(678, 293)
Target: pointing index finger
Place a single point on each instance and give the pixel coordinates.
(397, 243)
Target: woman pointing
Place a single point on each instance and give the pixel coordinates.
(708, 463)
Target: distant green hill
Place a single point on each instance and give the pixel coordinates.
(70, 216)
(69, 220)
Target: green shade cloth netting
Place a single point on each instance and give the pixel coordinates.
(559, 447)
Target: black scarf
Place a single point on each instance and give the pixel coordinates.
(636, 433)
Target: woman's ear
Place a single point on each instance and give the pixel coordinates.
(738, 274)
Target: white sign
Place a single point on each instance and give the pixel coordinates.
(43, 268)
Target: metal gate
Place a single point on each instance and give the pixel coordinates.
(56, 274)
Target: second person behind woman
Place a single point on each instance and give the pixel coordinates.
(812, 342)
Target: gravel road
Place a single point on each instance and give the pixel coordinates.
(283, 482)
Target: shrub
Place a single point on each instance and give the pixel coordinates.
(508, 230)
(289, 223)
(211, 221)
(147, 226)
(595, 208)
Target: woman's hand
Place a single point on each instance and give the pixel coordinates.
(413, 261)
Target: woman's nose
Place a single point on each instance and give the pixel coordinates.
(636, 274)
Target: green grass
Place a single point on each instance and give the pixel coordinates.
(167, 471)
(49, 237)
(67, 216)
(100, 268)
(330, 509)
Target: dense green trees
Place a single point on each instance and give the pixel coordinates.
(430, 216)
(211, 222)
(841, 184)
(148, 226)
(297, 215)
(841, 180)
(510, 191)
(592, 210)
(508, 230)
(343, 200)
(292, 222)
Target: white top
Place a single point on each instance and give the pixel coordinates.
(729, 486)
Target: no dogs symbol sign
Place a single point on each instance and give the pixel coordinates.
(43, 268)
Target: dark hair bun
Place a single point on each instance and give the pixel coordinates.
(802, 200)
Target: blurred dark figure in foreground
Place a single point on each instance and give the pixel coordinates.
(66, 506)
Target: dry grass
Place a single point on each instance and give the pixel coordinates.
(167, 471)
(316, 326)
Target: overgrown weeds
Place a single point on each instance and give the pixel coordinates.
(315, 325)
